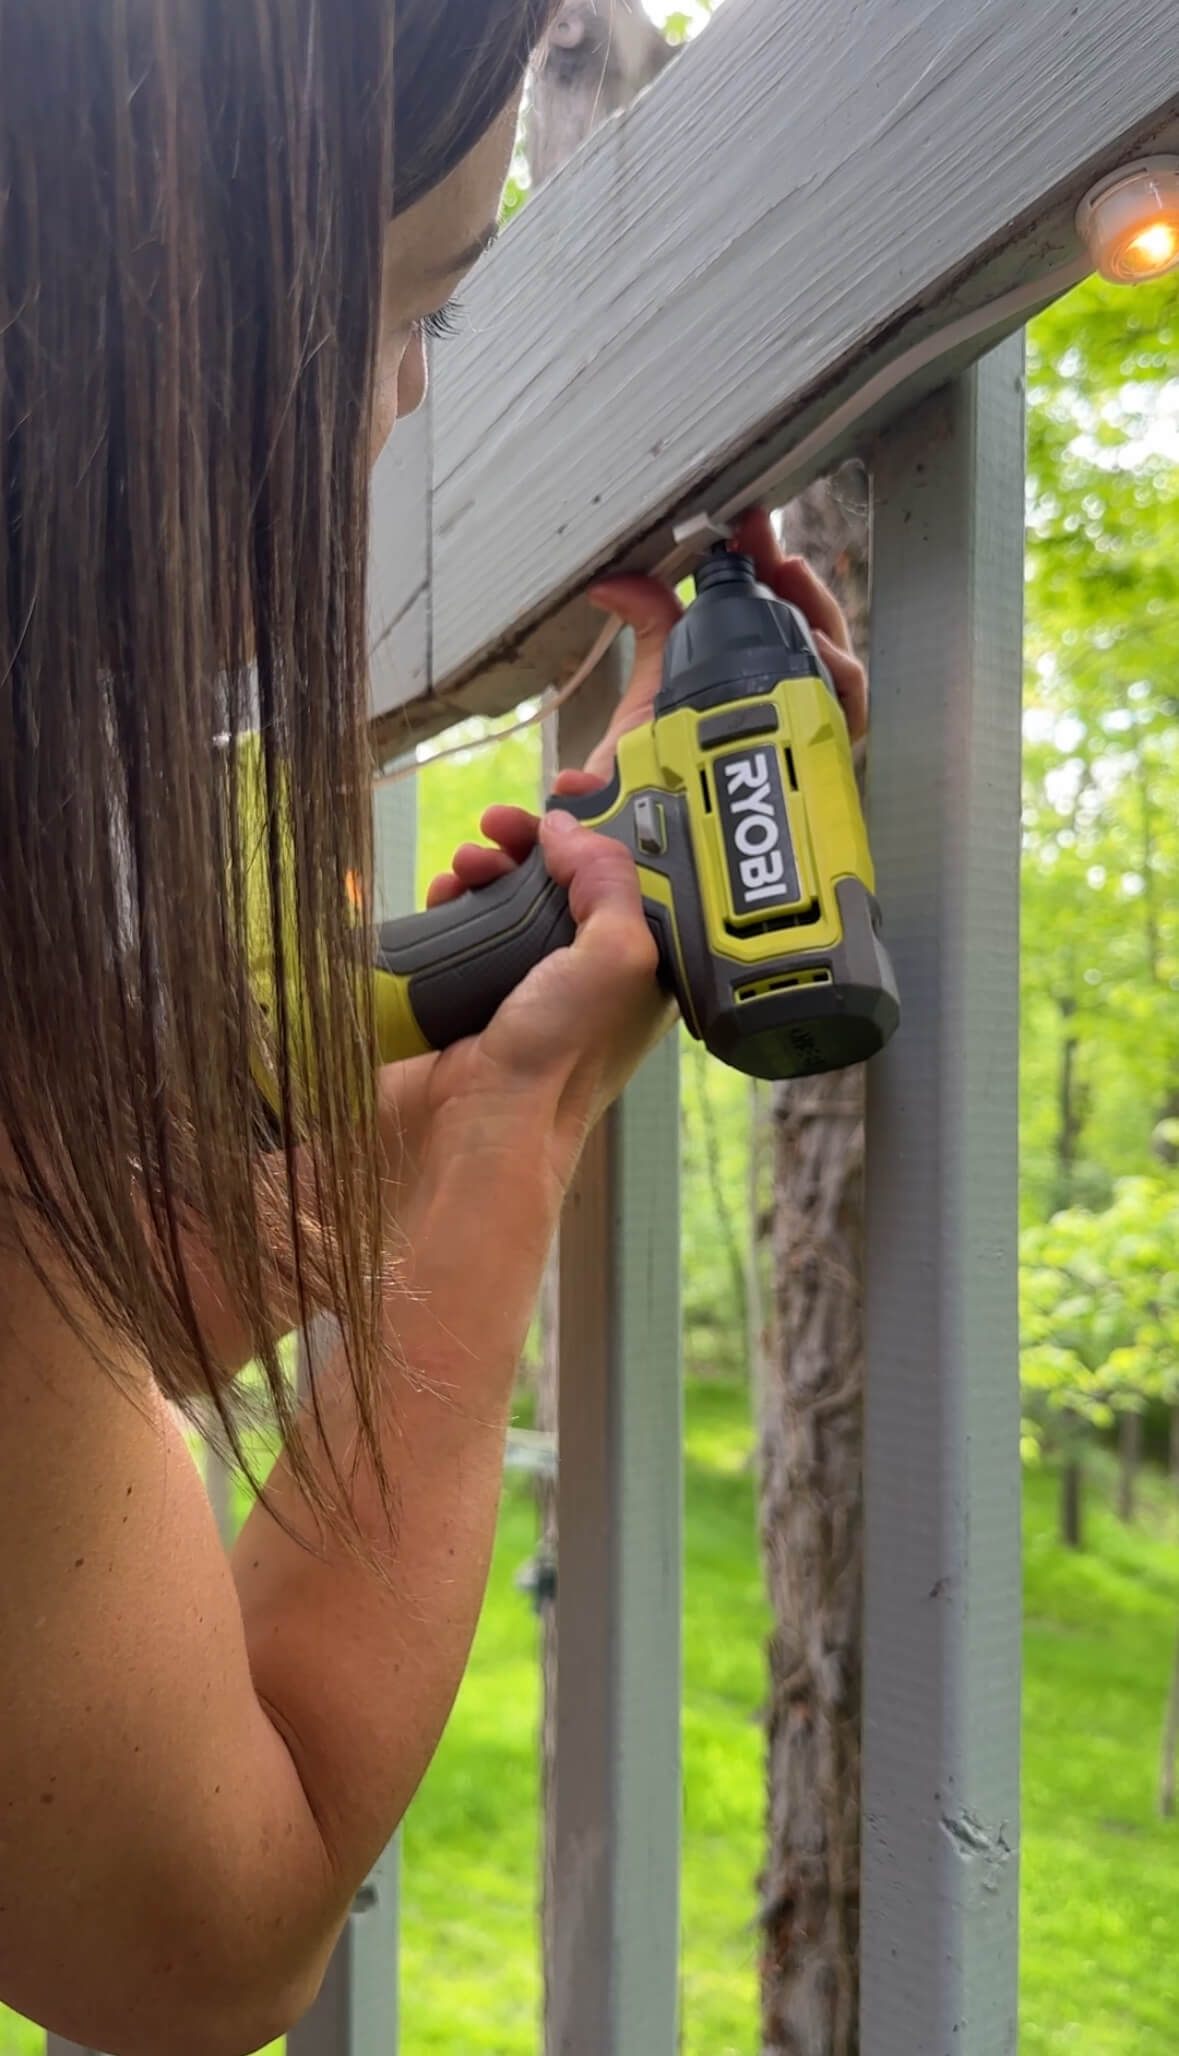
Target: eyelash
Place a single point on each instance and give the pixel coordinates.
(445, 322)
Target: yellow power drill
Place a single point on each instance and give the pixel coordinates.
(739, 802)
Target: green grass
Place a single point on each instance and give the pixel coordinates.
(1101, 1874)
(471, 1855)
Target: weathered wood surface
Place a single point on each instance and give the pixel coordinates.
(941, 1425)
(801, 196)
(356, 2012)
(603, 54)
(616, 1789)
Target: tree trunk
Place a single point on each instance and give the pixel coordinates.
(1072, 1103)
(1163, 1145)
(600, 55)
(811, 1538)
(760, 1249)
(811, 1506)
(1170, 1744)
(1129, 1459)
(1072, 1481)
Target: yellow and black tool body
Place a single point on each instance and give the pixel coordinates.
(739, 803)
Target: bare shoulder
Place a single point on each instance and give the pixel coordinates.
(83, 1432)
(128, 1705)
(97, 1491)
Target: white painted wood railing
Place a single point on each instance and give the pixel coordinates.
(711, 304)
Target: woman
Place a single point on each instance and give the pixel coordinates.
(227, 228)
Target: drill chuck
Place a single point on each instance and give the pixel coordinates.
(737, 638)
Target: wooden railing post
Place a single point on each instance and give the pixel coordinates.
(617, 1823)
(941, 1466)
(613, 1786)
(356, 2012)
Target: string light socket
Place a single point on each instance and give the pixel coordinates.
(1129, 221)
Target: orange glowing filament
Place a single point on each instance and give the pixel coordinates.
(1153, 248)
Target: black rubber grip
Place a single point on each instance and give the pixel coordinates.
(462, 960)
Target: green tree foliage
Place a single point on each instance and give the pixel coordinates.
(1101, 913)
(1099, 1312)
(454, 792)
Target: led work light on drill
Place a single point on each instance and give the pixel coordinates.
(740, 805)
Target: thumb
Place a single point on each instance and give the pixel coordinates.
(602, 881)
(568, 1006)
(650, 609)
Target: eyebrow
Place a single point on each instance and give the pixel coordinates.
(464, 259)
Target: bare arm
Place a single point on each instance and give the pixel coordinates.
(201, 1759)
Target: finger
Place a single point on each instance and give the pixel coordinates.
(790, 577)
(570, 785)
(644, 604)
(850, 681)
(442, 890)
(604, 898)
(474, 867)
(651, 610)
(512, 828)
(797, 582)
(756, 537)
(573, 1004)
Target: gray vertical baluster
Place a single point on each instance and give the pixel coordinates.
(615, 1974)
(356, 2011)
(942, 1590)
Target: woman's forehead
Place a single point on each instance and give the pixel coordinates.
(444, 233)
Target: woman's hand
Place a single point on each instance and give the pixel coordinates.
(651, 611)
(579, 1023)
(565, 1042)
(791, 578)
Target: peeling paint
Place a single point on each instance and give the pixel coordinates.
(983, 1849)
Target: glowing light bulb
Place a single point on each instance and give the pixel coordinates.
(1129, 222)
(1155, 248)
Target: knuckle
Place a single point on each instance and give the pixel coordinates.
(616, 854)
(608, 859)
(638, 954)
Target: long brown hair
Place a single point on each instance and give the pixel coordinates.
(193, 199)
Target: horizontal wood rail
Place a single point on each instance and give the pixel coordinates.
(717, 279)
